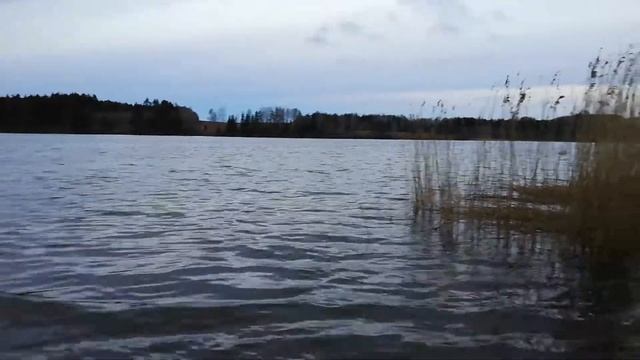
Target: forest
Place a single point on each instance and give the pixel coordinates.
(272, 123)
(86, 114)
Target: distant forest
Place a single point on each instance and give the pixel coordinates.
(85, 114)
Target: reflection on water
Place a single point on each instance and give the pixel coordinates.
(121, 246)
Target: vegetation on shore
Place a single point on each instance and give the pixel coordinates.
(320, 125)
(595, 205)
(86, 114)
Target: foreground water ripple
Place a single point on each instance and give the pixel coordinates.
(115, 246)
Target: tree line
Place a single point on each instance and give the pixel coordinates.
(323, 125)
(86, 114)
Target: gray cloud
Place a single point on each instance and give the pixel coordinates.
(319, 37)
(449, 16)
(440, 6)
(166, 48)
(445, 28)
(392, 16)
(452, 17)
(326, 33)
(499, 15)
(350, 27)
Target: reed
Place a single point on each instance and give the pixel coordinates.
(595, 207)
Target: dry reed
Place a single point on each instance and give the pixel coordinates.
(596, 207)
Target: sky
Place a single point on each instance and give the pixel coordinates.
(364, 56)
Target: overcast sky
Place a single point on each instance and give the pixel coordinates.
(367, 56)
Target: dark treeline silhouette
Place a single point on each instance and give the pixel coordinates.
(85, 114)
(322, 125)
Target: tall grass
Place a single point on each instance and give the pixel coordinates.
(594, 206)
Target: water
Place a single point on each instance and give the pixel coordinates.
(118, 246)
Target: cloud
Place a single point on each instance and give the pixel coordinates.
(326, 33)
(319, 37)
(392, 16)
(350, 28)
(192, 51)
(444, 8)
(447, 17)
(445, 28)
(499, 15)
(42, 27)
(482, 102)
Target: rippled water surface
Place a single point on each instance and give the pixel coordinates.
(115, 246)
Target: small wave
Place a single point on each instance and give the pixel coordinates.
(119, 213)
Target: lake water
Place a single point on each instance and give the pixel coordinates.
(118, 246)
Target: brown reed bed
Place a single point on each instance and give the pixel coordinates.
(595, 207)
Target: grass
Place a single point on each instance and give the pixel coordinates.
(595, 206)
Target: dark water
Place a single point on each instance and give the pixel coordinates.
(199, 248)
